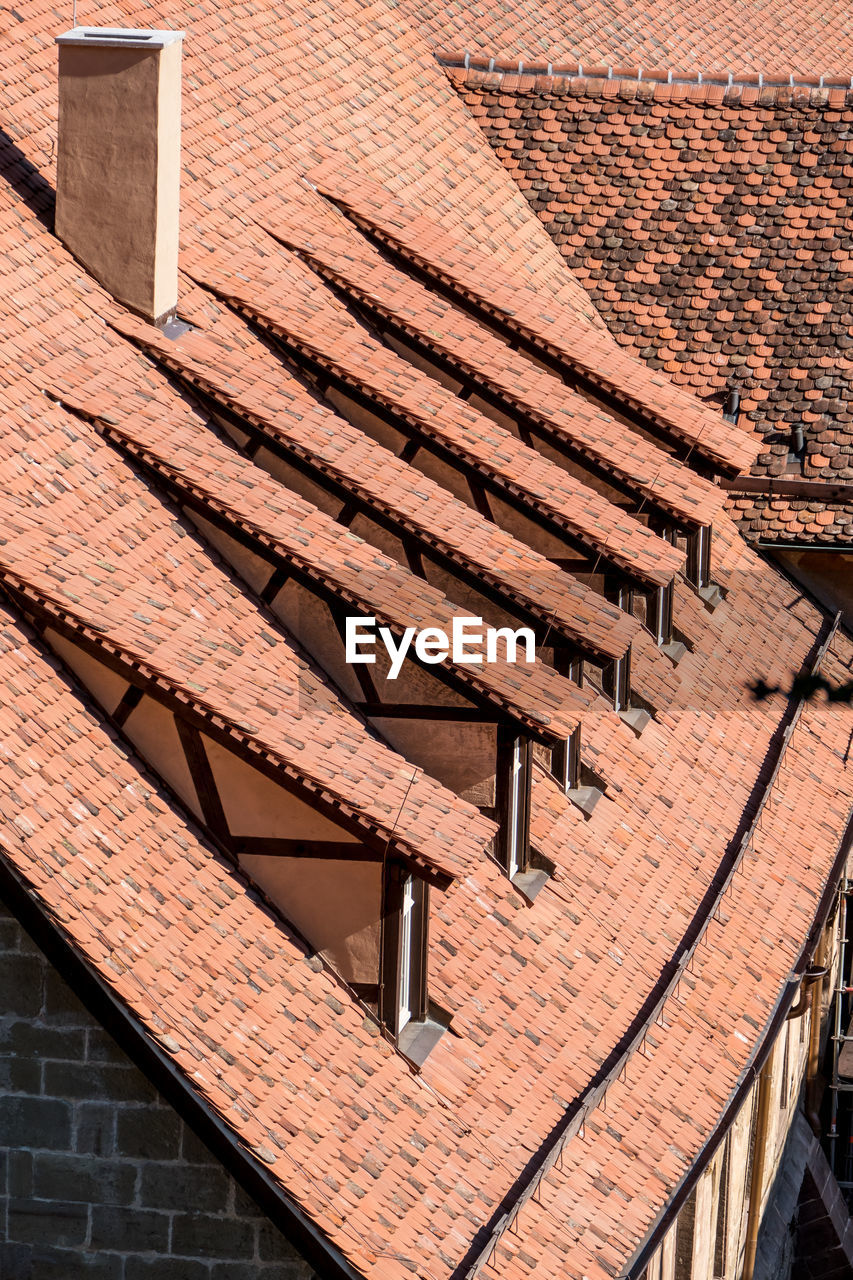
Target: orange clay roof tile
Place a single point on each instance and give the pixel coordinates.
(385, 1161)
(191, 459)
(753, 42)
(467, 271)
(233, 367)
(350, 261)
(721, 294)
(310, 318)
(112, 560)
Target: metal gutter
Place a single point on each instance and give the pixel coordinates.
(784, 487)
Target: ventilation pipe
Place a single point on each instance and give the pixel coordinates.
(731, 413)
(118, 161)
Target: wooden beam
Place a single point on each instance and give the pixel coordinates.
(280, 577)
(430, 711)
(359, 669)
(130, 701)
(273, 847)
(415, 560)
(203, 779)
(480, 499)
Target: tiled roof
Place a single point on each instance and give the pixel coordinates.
(231, 366)
(212, 976)
(391, 296)
(232, 671)
(490, 1096)
(183, 452)
(754, 37)
(404, 1172)
(711, 226)
(579, 347)
(283, 295)
(703, 1036)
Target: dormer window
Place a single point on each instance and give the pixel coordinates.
(662, 615)
(699, 557)
(699, 566)
(566, 762)
(403, 989)
(618, 682)
(405, 983)
(513, 809)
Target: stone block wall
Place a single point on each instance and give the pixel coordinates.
(100, 1179)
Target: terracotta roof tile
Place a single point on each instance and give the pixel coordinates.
(582, 348)
(199, 989)
(542, 995)
(283, 295)
(229, 364)
(110, 558)
(691, 275)
(350, 261)
(182, 451)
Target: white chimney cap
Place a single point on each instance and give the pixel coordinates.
(120, 37)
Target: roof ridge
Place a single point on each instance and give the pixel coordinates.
(745, 88)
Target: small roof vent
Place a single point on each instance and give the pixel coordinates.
(118, 161)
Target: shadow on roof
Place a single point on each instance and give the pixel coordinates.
(24, 178)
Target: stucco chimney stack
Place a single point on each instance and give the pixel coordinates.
(118, 161)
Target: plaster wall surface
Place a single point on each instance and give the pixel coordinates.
(118, 186)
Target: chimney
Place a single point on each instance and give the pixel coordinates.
(118, 161)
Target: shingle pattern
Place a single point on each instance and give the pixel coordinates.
(468, 271)
(712, 228)
(283, 294)
(230, 365)
(269, 1037)
(798, 521)
(399, 1170)
(771, 39)
(184, 452)
(350, 261)
(236, 673)
(482, 1103)
(652, 1117)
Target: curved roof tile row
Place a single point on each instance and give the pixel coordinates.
(282, 294)
(489, 363)
(468, 271)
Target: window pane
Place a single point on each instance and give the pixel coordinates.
(513, 814)
(404, 1008)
